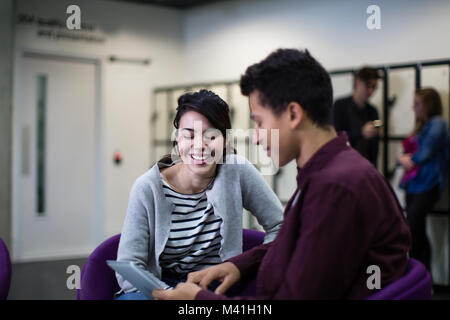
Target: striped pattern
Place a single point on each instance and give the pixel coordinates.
(194, 239)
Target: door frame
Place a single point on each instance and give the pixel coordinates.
(98, 227)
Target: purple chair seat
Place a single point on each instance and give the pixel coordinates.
(98, 281)
(416, 284)
(5, 270)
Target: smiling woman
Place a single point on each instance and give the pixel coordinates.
(202, 120)
(185, 213)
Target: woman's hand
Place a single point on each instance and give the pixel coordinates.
(227, 273)
(183, 291)
(406, 162)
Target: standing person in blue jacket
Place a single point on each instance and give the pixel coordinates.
(431, 158)
(185, 213)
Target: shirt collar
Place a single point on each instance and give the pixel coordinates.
(323, 155)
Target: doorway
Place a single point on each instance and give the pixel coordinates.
(56, 171)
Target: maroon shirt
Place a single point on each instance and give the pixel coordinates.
(344, 219)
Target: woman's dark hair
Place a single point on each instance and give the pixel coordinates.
(208, 104)
(290, 75)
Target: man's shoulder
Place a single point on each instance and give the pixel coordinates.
(343, 102)
(347, 169)
(438, 121)
(372, 108)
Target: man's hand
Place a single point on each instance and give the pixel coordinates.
(227, 273)
(369, 131)
(183, 291)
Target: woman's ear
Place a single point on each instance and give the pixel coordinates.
(296, 114)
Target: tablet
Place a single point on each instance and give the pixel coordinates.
(142, 279)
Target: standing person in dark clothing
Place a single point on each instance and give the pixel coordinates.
(342, 219)
(355, 115)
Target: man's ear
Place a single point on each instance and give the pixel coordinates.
(296, 114)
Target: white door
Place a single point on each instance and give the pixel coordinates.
(54, 180)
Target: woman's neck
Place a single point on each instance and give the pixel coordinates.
(185, 181)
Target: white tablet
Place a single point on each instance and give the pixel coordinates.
(142, 279)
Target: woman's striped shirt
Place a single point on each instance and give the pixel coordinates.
(194, 240)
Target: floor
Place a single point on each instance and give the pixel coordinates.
(43, 280)
(441, 293)
(48, 281)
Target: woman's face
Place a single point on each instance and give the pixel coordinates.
(419, 108)
(200, 145)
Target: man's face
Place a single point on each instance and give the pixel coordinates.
(265, 123)
(366, 88)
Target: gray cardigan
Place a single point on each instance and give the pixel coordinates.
(147, 223)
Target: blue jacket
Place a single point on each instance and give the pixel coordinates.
(432, 156)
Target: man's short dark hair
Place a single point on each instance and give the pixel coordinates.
(291, 75)
(368, 73)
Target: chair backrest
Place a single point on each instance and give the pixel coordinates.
(98, 280)
(251, 238)
(416, 284)
(5, 270)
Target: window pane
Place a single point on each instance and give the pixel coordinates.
(40, 143)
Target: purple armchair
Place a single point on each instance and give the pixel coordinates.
(416, 284)
(98, 281)
(5, 270)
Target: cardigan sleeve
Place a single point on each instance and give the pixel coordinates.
(134, 240)
(260, 200)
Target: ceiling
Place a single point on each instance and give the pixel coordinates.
(178, 4)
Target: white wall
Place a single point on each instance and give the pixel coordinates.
(6, 56)
(221, 40)
(130, 31)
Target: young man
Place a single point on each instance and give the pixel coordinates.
(355, 115)
(343, 217)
